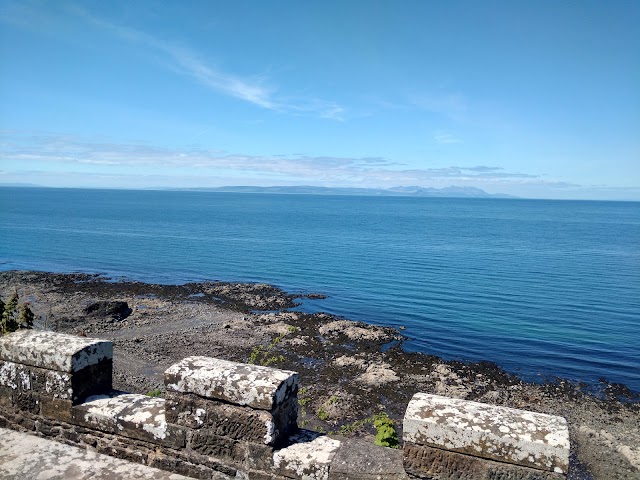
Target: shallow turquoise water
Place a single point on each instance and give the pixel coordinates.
(543, 288)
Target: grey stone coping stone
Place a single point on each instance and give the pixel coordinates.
(129, 414)
(54, 351)
(499, 433)
(237, 383)
(24, 456)
(308, 457)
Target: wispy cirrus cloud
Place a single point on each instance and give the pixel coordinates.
(252, 89)
(187, 62)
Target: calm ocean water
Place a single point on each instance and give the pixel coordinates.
(543, 288)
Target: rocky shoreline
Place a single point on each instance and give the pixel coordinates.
(349, 371)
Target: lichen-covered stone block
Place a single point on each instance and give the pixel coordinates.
(308, 457)
(41, 382)
(238, 383)
(130, 415)
(237, 400)
(233, 421)
(16, 383)
(54, 351)
(241, 423)
(503, 434)
(55, 365)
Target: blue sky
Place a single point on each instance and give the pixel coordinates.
(537, 99)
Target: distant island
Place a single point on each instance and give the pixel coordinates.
(450, 192)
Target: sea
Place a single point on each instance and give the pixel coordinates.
(546, 289)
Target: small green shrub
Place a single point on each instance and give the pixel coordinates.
(154, 393)
(386, 435)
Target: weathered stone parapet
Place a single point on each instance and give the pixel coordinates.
(54, 351)
(234, 400)
(434, 424)
(53, 365)
(236, 383)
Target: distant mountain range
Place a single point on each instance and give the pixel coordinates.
(460, 192)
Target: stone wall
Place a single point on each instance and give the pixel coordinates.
(224, 420)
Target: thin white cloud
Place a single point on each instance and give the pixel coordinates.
(188, 63)
(254, 90)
